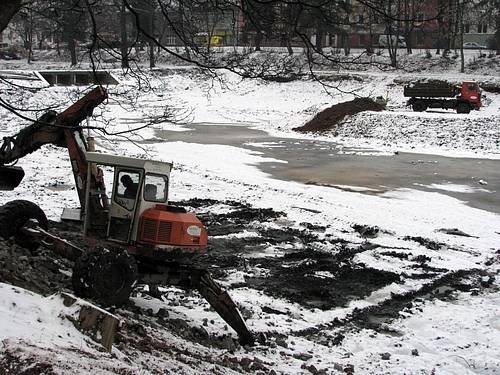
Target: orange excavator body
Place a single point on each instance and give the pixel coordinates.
(160, 227)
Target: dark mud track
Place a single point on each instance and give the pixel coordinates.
(303, 257)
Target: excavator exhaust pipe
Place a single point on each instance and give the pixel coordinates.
(10, 177)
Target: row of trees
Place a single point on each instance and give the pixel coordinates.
(121, 26)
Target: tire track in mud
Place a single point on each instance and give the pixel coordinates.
(378, 317)
(292, 275)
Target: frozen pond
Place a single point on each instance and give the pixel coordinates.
(475, 181)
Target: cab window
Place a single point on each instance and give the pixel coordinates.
(126, 188)
(155, 188)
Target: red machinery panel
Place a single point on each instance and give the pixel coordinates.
(470, 92)
(158, 226)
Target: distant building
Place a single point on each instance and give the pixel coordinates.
(364, 25)
(479, 26)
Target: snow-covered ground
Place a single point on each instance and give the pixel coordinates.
(458, 334)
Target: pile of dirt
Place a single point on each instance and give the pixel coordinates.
(332, 116)
(490, 87)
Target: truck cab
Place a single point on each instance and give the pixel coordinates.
(470, 93)
(138, 213)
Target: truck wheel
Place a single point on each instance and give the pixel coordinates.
(105, 276)
(14, 215)
(463, 108)
(419, 107)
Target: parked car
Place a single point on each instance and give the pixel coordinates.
(8, 52)
(473, 45)
(383, 40)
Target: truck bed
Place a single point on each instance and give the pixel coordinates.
(430, 91)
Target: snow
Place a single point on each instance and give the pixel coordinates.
(456, 188)
(24, 313)
(456, 336)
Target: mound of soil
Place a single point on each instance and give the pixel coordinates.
(490, 87)
(332, 116)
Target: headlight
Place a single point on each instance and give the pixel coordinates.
(473, 97)
(194, 230)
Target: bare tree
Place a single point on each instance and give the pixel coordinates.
(8, 9)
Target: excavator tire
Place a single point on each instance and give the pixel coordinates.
(10, 177)
(14, 215)
(105, 276)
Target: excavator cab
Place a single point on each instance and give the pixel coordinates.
(138, 212)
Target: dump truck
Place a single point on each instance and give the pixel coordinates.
(134, 236)
(439, 94)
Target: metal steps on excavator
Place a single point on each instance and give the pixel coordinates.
(10, 177)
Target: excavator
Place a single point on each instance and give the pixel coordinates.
(134, 236)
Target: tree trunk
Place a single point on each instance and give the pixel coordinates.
(258, 40)
(369, 46)
(151, 54)
(392, 46)
(409, 49)
(407, 31)
(456, 28)
(123, 37)
(72, 51)
(319, 37)
(449, 28)
(439, 35)
(497, 25)
(289, 45)
(40, 40)
(345, 44)
(151, 43)
(460, 12)
(393, 53)
(30, 37)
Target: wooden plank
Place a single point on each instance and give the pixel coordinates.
(98, 324)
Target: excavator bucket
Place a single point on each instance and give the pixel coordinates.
(10, 177)
(221, 302)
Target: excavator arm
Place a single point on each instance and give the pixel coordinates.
(189, 276)
(61, 130)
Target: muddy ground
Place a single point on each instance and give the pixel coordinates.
(301, 257)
